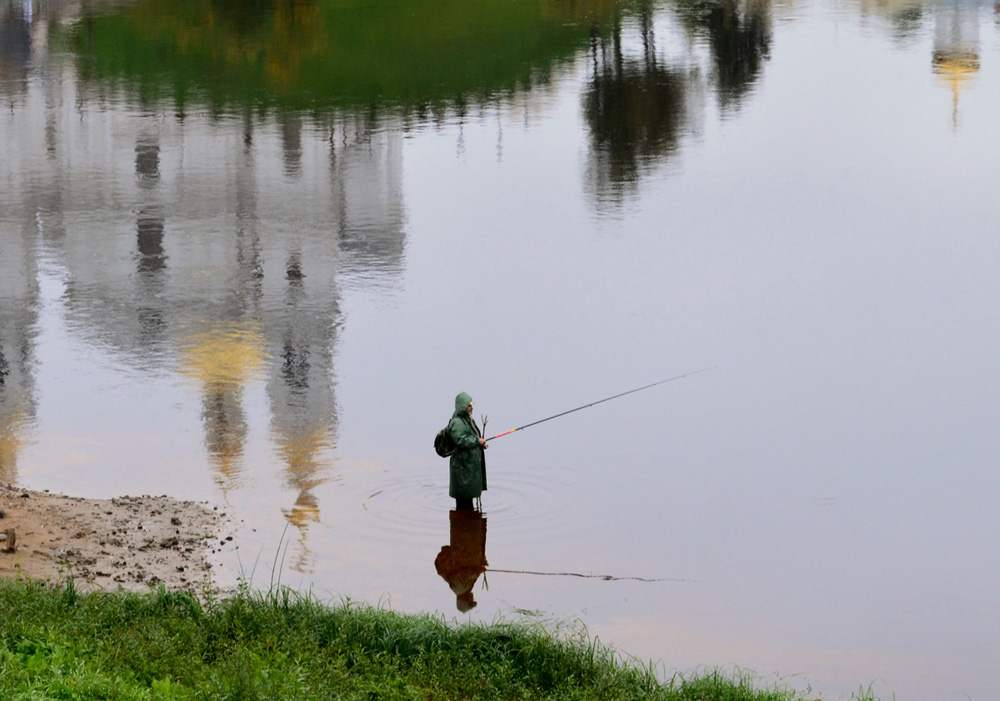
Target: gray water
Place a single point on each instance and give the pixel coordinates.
(271, 309)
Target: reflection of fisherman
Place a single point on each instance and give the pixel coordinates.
(468, 462)
(461, 563)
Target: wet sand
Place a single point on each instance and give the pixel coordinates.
(106, 544)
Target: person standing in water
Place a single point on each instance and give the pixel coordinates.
(467, 480)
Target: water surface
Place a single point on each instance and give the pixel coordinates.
(250, 252)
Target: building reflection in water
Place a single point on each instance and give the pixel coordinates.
(224, 359)
(300, 387)
(237, 282)
(366, 193)
(206, 244)
(222, 241)
(956, 46)
(18, 325)
(291, 144)
(17, 390)
(464, 558)
(151, 263)
(24, 218)
(955, 56)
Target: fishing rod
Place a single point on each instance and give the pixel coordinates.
(599, 401)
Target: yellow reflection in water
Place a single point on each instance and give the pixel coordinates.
(956, 48)
(229, 354)
(11, 425)
(305, 469)
(223, 360)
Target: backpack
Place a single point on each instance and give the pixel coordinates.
(444, 444)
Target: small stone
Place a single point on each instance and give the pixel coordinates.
(10, 545)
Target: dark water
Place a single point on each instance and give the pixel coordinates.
(250, 251)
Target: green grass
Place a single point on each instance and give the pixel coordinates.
(56, 643)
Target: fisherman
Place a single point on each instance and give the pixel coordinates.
(468, 463)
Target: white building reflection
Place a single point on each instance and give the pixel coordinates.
(955, 56)
(19, 275)
(214, 247)
(18, 322)
(956, 45)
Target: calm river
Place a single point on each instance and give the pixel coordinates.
(251, 250)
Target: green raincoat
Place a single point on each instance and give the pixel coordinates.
(468, 462)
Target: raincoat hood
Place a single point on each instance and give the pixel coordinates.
(462, 402)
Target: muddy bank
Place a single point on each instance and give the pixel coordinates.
(106, 544)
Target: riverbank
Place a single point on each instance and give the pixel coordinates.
(58, 643)
(138, 619)
(129, 542)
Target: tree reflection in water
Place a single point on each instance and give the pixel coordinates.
(739, 37)
(15, 48)
(635, 110)
(638, 108)
(244, 17)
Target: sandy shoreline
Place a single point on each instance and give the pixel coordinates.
(106, 544)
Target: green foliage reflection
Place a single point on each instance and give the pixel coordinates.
(307, 54)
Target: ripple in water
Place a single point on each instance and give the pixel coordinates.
(524, 504)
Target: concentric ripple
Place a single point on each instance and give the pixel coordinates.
(518, 503)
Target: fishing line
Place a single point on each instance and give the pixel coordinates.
(604, 577)
(600, 401)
